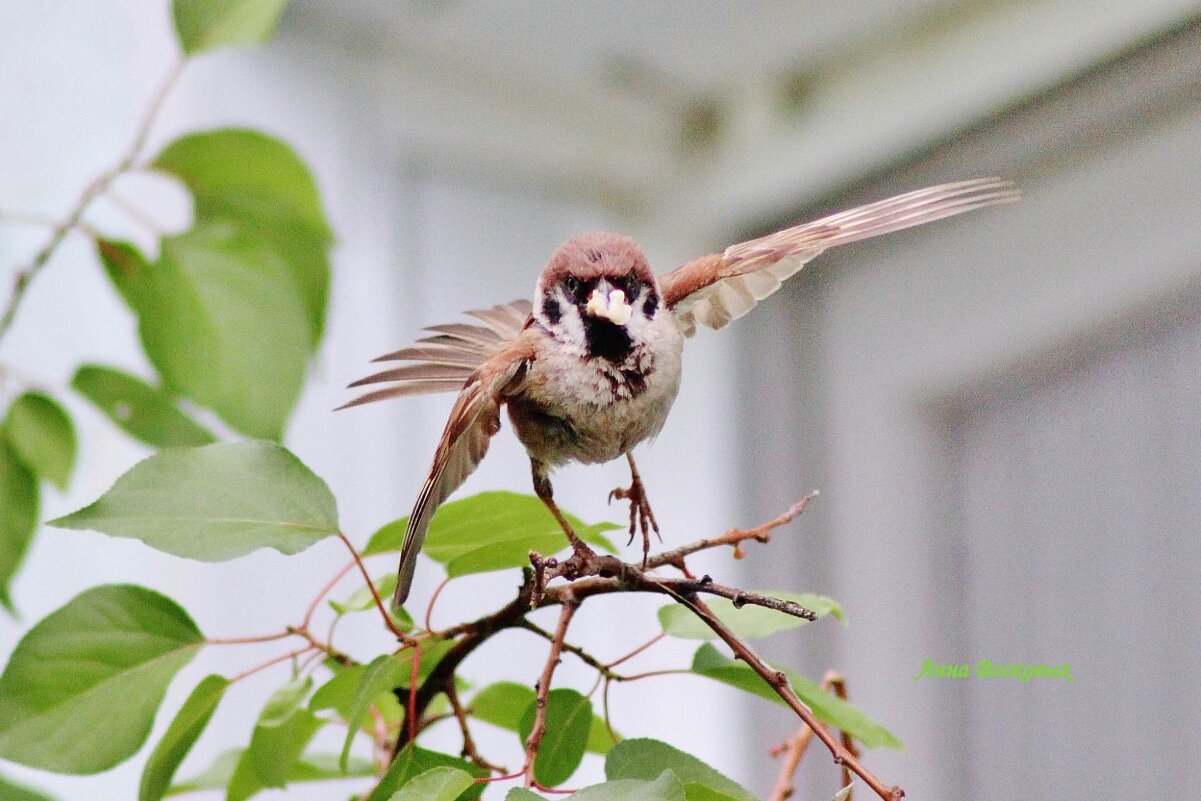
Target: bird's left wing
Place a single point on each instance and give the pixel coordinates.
(443, 362)
(715, 289)
(473, 421)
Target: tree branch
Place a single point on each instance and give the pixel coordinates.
(593, 575)
(552, 661)
(94, 189)
(779, 682)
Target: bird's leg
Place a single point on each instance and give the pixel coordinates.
(641, 516)
(583, 554)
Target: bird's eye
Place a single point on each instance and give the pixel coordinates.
(571, 283)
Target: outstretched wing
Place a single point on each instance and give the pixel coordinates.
(473, 420)
(715, 289)
(444, 362)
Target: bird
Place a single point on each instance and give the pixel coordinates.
(589, 368)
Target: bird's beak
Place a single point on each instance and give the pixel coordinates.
(609, 306)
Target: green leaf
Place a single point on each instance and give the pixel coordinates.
(339, 694)
(489, 531)
(81, 689)
(309, 768)
(19, 498)
(41, 434)
(699, 792)
(748, 621)
(568, 719)
(644, 758)
(827, 707)
(256, 181)
(11, 791)
(413, 761)
(205, 24)
(666, 787)
(438, 784)
(180, 736)
(222, 319)
(283, 731)
(140, 410)
(502, 704)
(361, 600)
(385, 673)
(522, 794)
(505, 703)
(600, 741)
(215, 503)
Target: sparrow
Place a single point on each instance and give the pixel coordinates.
(590, 368)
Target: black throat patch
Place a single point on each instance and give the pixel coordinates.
(606, 340)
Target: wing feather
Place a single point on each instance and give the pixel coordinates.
(716, 289)
(473, 421)
(444, 361)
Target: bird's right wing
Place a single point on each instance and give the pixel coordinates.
(445, 361)
(473, 420)
(713, 290)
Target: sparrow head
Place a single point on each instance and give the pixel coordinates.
(598, 293)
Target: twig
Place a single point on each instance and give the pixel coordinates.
(133, 212)
(273, 661)
(838, 683)
(248, 640)
(552, 660)
(779, 682)
(324, 591)
(94, 189)
(429, 609)
(652, 641)
(794, 750)
(469, 749)
(585, 657)
(603, 575)
(379, 604)
(733, 537)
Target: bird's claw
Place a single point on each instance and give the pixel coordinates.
(642, 518)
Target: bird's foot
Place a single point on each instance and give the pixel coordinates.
(642, 518)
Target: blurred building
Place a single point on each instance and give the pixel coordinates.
(1003, 411)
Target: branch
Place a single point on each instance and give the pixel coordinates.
(735, 537)
(379, 604)
(589, 575)
(469, 749)
(794, 748)
(552, 661)
(94, 189)
(779, 682)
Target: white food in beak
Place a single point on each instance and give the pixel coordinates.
(612, 308)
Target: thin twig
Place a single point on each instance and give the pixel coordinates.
(133, 212)
(837, 682)
(324, 591)
(379, 604)
(469, 749)
(734, 537)
(585, 657)
(273, 661)
(94, 189)
(248, 640)
(552, 660)
(779, 683)
(429, 609)
(652, 641)
(794, 750)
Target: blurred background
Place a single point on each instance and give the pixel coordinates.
(1002, 411)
